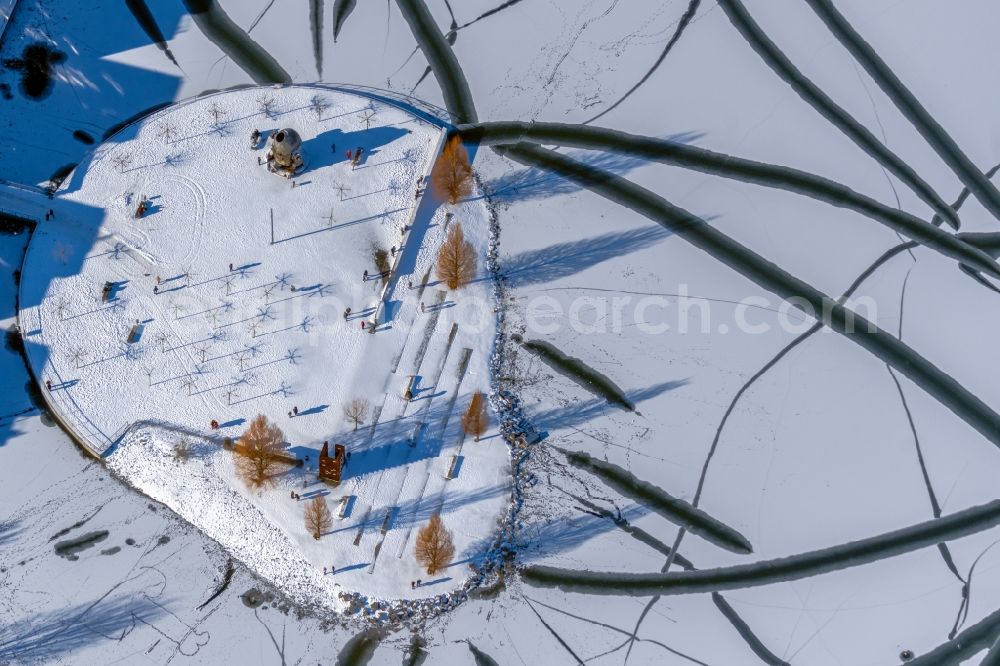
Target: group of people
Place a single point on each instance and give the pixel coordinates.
(354, 156)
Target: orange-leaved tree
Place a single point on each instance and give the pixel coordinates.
(258, 452)
(434, 548)
(318, 518)
(451, 176)
(456, 263)
(475, 420)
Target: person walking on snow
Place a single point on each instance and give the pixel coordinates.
(422, 309)
(48, 384)
(295, 410)
(365, 276)
(230, 268)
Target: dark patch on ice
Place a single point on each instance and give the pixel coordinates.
(78, 524)
(59, 175)
(10, 224)
(316, 24)
(12, 339)
(130, 541)
(685, 19)
(71, 547)
(163, 540)
(5, 91)
(111, 551)
(933, 133)
(341, 10)
(144, 17)
(226, 579)
(580, 373)
(253, 598)
(980, 636)
(944, 388)
(359, 650)
(656, 499)
(236, 43)
(416, 652)
(83, 137)
(482, 659)
(778, 570)
(676, 151)
(35, 65)
(437, 50)
(490, 12)
(810, 93)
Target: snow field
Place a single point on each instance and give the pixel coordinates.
(270, 335)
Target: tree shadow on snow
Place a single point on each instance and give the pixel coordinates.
(535, 183)
(565, 259)
(54, 635)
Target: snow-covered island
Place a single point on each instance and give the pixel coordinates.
(183, 285)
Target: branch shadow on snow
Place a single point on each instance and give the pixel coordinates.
(582, 411)
(54, 635)
(533, 183)
(565, 259)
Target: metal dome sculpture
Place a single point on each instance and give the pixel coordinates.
(284, 153)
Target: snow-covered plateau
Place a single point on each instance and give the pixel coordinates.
(681, 206)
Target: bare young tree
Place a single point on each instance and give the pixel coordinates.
(340, 188)
(456, 264)
(149, 371)
(201, 351)
(177, 308)
(217, 113)
(451, 177)
(257, 452)
(122, 161)
(368, 117)
(62, 306)
(161, 339)
(227, 282)
(318, 104)
(267, 106)
(189, 383)
(434, 548)
(356, 411)
(167, 132)
(475, 420)
(318, 517)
